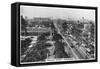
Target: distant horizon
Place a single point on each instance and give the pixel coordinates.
(57, 13)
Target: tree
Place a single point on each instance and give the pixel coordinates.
(92, 30)
(24, 45)
(57, 37)
(23, 25)
(37, 52)
(59, 50)
(65, 26)
(76, 32)
(80, 26)
(43, 36)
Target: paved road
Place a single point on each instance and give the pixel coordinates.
(71, 52)
(75, 52)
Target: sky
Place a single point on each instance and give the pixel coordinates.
(54, 12)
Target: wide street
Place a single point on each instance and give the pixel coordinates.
(75, 52)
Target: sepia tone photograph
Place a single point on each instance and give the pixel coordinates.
(51, 34)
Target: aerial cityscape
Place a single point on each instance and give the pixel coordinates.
(48, 39)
